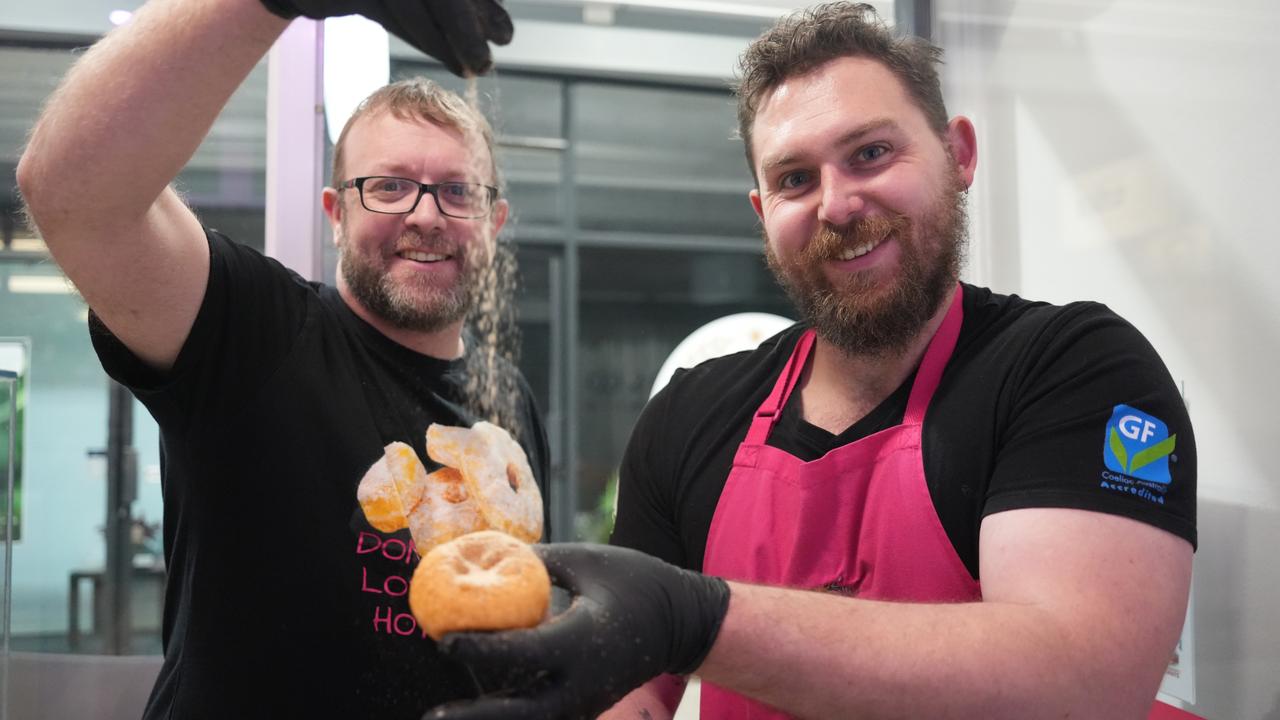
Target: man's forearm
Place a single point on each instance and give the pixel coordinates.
(655, 700)
(133, 110)
(820, 656)
(1079, 618)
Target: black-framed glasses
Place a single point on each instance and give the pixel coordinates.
(399, 196)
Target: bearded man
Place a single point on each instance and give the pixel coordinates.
(926, 500)
(275, 396)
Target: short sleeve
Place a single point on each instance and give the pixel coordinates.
(250, 317)
(646, 480)
(1096, 423)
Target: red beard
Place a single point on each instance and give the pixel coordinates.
(868, 315)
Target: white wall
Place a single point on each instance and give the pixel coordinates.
(1128, 154)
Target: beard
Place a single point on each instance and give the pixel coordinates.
(857, 314)
(415, 303)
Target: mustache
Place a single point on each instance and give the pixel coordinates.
(436, 244)
(829, 240)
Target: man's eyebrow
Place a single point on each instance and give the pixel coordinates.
(403, 170)
(848, 138)
(390, 168)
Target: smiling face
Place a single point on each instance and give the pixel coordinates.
(861, 203)
(418, 271)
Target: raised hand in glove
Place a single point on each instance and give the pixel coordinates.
(455, 32)
(632, 618)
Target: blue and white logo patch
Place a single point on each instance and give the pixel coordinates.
(1138, 445)
(1137, 450)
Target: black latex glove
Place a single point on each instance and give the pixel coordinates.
(455, 32)
(632, 618)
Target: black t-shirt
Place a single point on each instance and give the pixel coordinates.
(282, 601)
(1039, 406)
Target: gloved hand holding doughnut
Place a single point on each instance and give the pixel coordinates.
(455, 32)
(633, 617)
(471, 522)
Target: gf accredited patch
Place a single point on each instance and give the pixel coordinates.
(1136, 451)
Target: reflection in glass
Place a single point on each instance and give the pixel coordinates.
(636, 305)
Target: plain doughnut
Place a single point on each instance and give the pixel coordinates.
(485, 580)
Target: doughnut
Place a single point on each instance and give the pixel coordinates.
(392, 488)
(497, 475)
(446, 511)
(484, 580)
(397, 493)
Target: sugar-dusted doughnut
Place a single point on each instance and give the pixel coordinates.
(397, 492)
(484, 580)
(392, 488)
(497, 475)
(446, 511)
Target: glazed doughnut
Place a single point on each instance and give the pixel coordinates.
(497, 475)
(485, 580)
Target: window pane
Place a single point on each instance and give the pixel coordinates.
(538, 320)
(58, 563)
(27, 75)
(636, 306)
(659, 160)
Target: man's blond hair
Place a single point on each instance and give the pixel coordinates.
(419, 98)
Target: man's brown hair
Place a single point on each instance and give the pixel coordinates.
(419, 98)
(807, 39)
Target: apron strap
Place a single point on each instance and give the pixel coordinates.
(935, 360)
(767, 414)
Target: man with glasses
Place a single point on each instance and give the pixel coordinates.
(275, 396)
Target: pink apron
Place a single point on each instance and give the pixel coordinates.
(858, 521)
